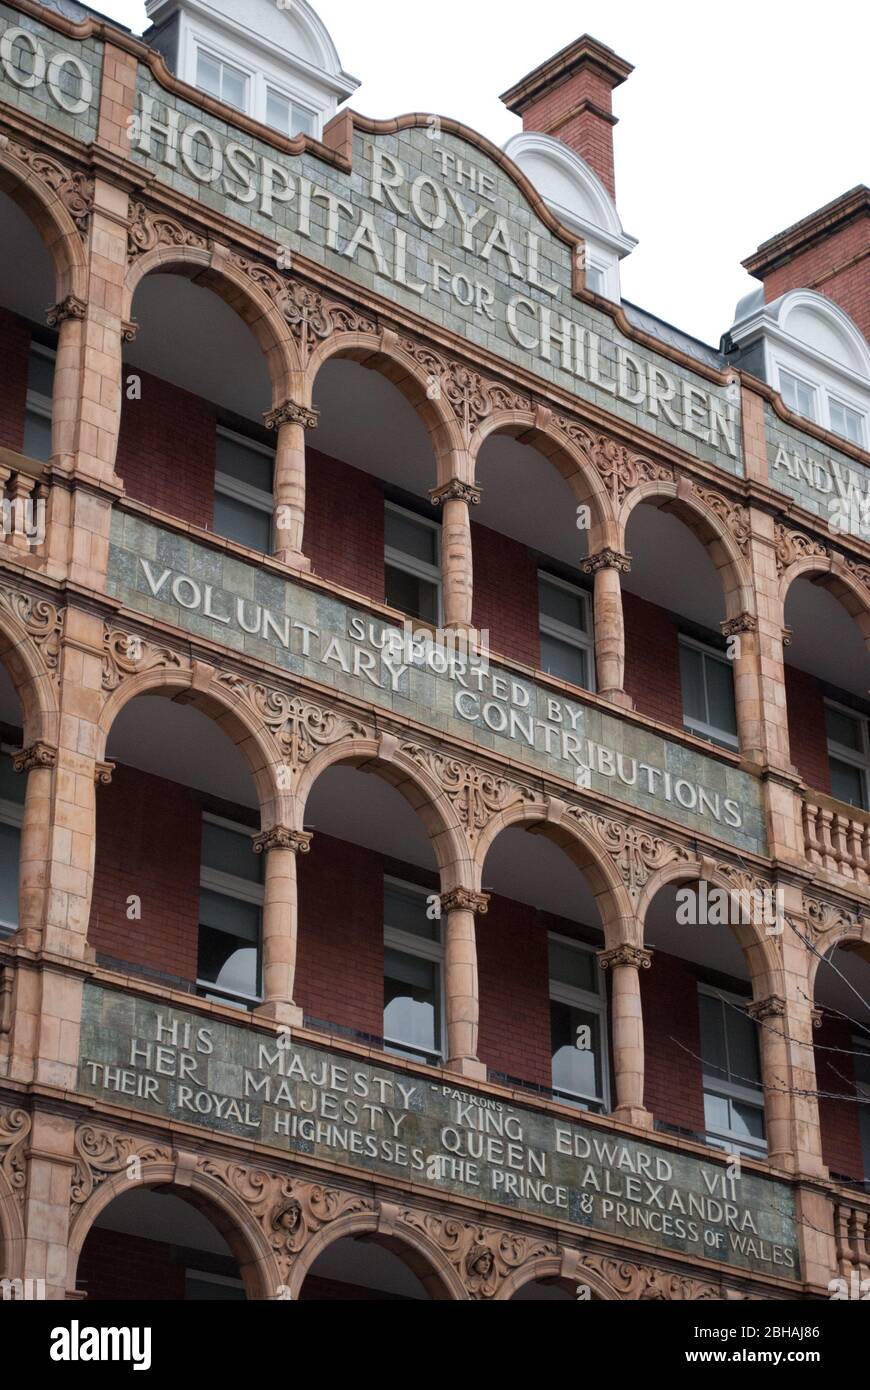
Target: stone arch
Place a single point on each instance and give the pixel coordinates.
(225, 707)
(214, 269)
(423, 1257)
(419, 787)
(258, 1266)
(384, 353)
(536, 429)
(762, 954)
(706, 520)
(46, 198)
(840, 582)
(843, 931)
(550, 1268)
(22, 620)
(618, 919)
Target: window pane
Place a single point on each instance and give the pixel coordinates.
(227, 958)
(716, 1115)
(418, 597)
(304, 122)
(246, 465)
(742, 1047)
(713, 1053)
(406, 911)
(208, 73)
(10, 840)
(411, 1004)
(569, 966)
(40, 374)
(692, 678)
(843, 728)
(410, 537)
(847, 422)
(13, 785)
(231, 851)
(576, 1070)
(747, 1121)
(37, 436)
(563, 605)
(242, 523)
(847, 784)
(797, 395)
(235, 87)
(722, 714)
(277, 111)
(563, 660)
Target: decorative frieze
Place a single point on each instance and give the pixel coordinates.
(483, 1256)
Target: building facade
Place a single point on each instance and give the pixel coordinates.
(435, 819)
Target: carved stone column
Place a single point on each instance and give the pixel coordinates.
(626, 1027)
(770, 1015)
(37, 762)
(607, 566)
(291, 421)
(280, 921)
(460, 981)
(457, 578)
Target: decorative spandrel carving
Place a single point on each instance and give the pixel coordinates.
(641, 1282)
(472, 396)
(476, 794)
(101, 1153)
(15, 1126)
(299, 727)
(128, 654)
(733, 516)
(74, 189)
(313, 317)
(636, 852)
(149, 229)
(42, 620)
(483, 1257)
(792, 545)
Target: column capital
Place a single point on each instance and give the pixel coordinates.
(455, 491)
(774, 1006)
(279, 837)
(70, 308)
(103, 773)
(38, 754)
(291, 413)
(129, 331)
(743, 622)
(606, 559)
(638, 956)
(464, 900)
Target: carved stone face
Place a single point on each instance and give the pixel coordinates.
(288, 1218)
(481, 1262)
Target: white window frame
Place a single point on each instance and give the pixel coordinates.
(733, 1090)
(238, 491)
(270, 85)
(243, 890)
(860, 415)
(204, 44)
(596, 1003)
(810, 386)
(398, 560)
(696, 726)
(11, 813)
(561, 632)
(411, 945)
(857, 759)
(36, 403)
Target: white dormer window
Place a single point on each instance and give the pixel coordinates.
(798, 395)
(220, 79)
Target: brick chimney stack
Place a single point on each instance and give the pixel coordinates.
(569, 96)
(829, 251)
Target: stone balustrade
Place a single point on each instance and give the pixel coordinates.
(852, 1232)
(837, 837)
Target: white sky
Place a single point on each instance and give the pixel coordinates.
(738, 120)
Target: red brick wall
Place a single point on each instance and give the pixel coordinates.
(344, 525)
(652, 660)
(340, 971)
(841, 1136)
(587, 133)
(14, 352)
(149, 835)
(514, 992)
(115, 1267)
(838, 267)
(166, 450)
(674, 1089)
(506, 595)
(806, 729)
